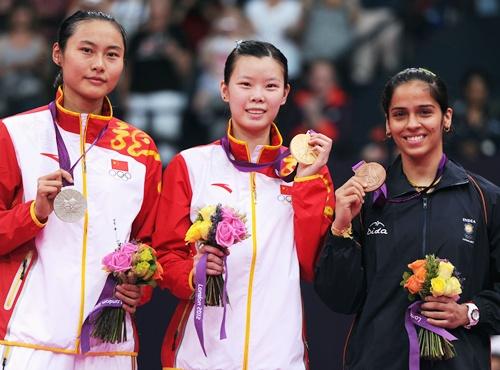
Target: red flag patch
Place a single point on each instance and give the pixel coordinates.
(285, 190)
(119, 165)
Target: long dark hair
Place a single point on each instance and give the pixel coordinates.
(438, 88)
(257, 49)
(68, 27)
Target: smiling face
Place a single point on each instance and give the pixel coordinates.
(416, 122)
(255, 92)
(92, 62)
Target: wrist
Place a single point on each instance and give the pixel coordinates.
(343, 232)
(472, 315)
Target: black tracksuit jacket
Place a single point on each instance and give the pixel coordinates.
(362, 276)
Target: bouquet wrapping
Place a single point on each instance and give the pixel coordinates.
(436, 277)
(221, 227)
(133, 263)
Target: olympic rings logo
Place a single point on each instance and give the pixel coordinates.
(124, 175)
(285, 198)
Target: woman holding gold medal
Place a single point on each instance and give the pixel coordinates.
(286, 222)
(74, 182)
(428, 205)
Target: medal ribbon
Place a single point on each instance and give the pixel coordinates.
(62, 151)
(245, 166)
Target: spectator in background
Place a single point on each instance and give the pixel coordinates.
(327, 29)
(378, 35)
(477, 127)
(160, 67)
(23, 61)
(324, 107)
(5, 9)
(130, 13)
(278, 22)
(208, 107)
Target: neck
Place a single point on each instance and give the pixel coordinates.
(80, 105)
(252, 139)
(421, 173)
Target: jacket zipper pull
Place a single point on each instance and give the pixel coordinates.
(23, 271)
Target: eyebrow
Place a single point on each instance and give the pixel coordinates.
(419, 106)
(87, 42)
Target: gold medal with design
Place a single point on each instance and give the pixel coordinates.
(301, 150)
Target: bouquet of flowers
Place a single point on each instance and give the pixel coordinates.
(219, 227)
(436, 277)
(133, 263)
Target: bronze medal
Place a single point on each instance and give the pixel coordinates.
(372, 173)
(301, 150)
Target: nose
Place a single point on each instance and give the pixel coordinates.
(98, 63)
(413, 121)
(257, 95)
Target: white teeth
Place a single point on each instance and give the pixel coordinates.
(415, 138)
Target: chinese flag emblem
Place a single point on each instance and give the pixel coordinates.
(119, 165)
(285, 190)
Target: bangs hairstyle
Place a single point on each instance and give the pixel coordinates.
(259, 49)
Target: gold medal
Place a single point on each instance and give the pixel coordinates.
(301, 150)
(372, 173)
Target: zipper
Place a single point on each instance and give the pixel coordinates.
(5, 357)
(424, 231)
(180, 330)
(252, 271)
(17, 281)
(84, 119)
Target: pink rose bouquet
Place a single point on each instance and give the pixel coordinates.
(220, 227)
(132, 263)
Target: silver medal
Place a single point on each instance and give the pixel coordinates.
(70, 205)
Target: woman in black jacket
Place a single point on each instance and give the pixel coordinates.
(432, 206)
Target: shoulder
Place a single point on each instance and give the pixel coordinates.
(490, 189)
(201, 152)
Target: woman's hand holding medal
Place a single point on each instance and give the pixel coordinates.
(48, 187)
(311, 150)
(349, 198)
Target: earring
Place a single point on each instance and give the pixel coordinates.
(447, 129)
(388, 134)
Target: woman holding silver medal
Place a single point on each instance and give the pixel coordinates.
(62, 211)
(428, 205)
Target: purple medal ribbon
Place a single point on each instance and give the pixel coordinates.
(412, 318)
(245, 166)
(106, 300)
(380, 194)
(199, 300)
(62, 151)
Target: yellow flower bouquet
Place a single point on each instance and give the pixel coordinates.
(436, 277)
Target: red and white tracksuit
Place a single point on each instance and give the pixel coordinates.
(51, 274)
(286, 221)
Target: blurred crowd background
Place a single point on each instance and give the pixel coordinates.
(340, 54)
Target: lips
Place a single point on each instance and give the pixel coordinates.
(96, 80)
(255, 110)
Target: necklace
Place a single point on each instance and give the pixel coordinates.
(420, 188)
